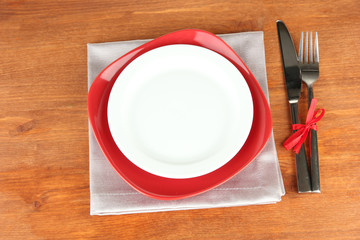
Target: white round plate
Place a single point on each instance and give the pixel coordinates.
(180, 111)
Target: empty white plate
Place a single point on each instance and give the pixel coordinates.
(180, 111)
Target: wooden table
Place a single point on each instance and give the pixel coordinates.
(44, 171)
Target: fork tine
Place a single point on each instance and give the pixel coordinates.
(311, 50)
(301, 50)
(306, 48)
(316, 50)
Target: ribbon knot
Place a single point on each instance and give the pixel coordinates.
(302, 130)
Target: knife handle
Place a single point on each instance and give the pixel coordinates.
(314, 154)
(302, 172)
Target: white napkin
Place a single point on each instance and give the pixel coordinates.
(259, 183)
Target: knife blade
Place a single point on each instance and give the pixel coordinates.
(293, 87)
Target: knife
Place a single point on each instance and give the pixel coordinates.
(293, 87)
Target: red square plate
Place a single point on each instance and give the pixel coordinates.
(168, 188)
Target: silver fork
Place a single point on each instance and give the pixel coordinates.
(309, 66)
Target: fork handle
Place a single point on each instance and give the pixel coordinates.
(302, 172)
(314, 153)
(310, 94)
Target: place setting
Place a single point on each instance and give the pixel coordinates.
(183, 121)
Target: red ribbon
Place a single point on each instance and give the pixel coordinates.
(298, 138)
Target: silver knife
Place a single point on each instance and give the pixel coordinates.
(293, 86)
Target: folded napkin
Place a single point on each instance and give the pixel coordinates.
(258, 183)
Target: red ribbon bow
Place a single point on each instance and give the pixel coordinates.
(298, 138)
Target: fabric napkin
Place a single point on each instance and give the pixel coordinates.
(259, 183)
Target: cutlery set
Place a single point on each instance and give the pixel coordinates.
(303, 67)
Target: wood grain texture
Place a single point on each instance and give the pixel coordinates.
(44, 178)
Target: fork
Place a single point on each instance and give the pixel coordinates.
(309, 66)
